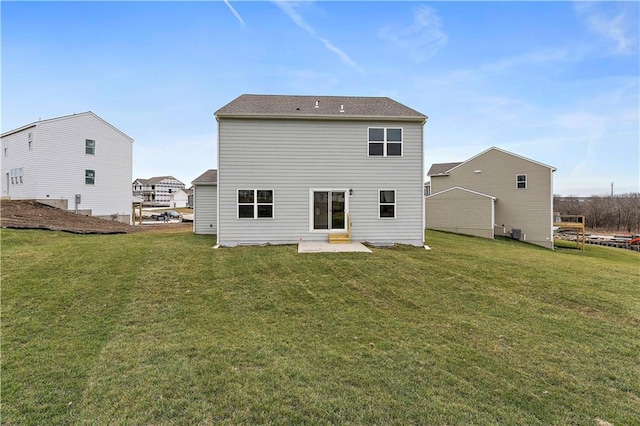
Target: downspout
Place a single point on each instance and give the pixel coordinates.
(218, 187)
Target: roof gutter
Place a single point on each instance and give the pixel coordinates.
(422, 119)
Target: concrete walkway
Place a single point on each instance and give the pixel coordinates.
(324, 247)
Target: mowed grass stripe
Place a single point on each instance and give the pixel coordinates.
(473, 331)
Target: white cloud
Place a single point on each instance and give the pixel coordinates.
(617, 22)
(422, 39)
(235, 12)
(289, 8)
(539, 58)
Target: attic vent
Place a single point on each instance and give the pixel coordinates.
(341, 108)
(317, 104)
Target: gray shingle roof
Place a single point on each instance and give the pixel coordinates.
(154, 180)
(210, 176)
(441, 168)
(327, 106)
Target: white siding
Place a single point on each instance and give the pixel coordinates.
(205, 218)
(293, 156)
(19, 156)
(58, 167)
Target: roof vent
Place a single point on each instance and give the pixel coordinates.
(317, 104)
(341, 108)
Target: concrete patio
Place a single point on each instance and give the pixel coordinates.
(325, 247)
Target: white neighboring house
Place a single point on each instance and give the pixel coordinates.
(178, 198)
(205, 203)
(77, 162)
(156, 191)
(318, 168)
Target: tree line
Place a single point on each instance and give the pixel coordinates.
(609, 212)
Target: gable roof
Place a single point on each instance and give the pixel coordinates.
(208, 177)
(295, 106)
(65, 117)
(443, 169)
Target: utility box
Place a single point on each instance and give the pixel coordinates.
(78, 198)
(516, 234)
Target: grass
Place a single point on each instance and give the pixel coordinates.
(153, 328)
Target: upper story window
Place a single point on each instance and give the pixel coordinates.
(521, 181)
(385, 142)
(5, 148)
(30, 140)
(90, 177)
(387, 204)
(255, 203)
(90, 146)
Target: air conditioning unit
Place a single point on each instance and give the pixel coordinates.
(516, 234)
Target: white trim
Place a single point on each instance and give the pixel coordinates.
(48, 120)
(526, 180)
(395, 204)
(255, 204)
(346, 210)
(385, 142)
(94, 147)
(462, 189)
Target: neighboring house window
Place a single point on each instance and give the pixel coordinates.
(5, 148)
(521, 181)
(90, 177)
(255, 203)
(90, 146)
(387, 203)
(30, 140)
(385, 142)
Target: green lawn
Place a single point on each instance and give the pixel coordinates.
(153, 328)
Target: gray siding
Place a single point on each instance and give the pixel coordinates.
(460, 211)
(205, 204)
(292, 157)
(527, 209)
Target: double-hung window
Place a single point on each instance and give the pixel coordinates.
(387, 204)
(521, 181)
(385, 142)
(90, 147)
(90, 177)
(255, 204)
(30, 140)
(16, 176)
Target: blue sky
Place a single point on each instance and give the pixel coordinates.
(557, 82)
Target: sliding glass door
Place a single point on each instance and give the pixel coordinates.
(329, 210)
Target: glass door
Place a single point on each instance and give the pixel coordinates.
(329, 210)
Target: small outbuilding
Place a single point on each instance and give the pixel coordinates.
(205, 203)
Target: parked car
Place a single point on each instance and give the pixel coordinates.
(169, 215)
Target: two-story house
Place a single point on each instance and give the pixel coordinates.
(493, 193)
(78, 162)
(156, 191)
(301, 168)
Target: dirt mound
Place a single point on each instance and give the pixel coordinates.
(29, 214)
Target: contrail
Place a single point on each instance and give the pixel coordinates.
(235, 12)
